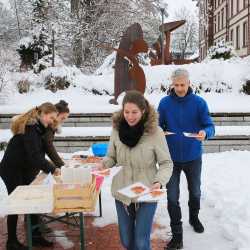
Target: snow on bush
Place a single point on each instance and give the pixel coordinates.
(46, 62)
(223, 50)
(5, 86)
(209, 76)
(35, 47)
(216, 76)
(8, 62)
(108, 65)
(26, 42)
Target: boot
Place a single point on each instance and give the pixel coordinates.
(43, 226)
(195, 223)
(45, 229)
(15, 245)
(41, 242)
(175, 243)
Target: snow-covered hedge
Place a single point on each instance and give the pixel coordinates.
(222, 50)
(209, 76)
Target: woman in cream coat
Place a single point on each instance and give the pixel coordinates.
(137, 143)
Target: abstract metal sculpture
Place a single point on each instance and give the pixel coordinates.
(156, 58)
(128, 73)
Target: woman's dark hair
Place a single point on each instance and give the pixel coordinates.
(137, 98)
(62, 107)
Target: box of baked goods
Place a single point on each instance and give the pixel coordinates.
(32, 199)
(87, 158)
(74, 197)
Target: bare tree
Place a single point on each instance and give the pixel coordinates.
(186, 38)
(105, 21)
(80, 25)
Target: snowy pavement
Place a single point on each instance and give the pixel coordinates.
(82, 102)
(225, 205)
(5, 134)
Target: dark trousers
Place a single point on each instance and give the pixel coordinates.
(12, 226)
(11, 184)
(192, 170)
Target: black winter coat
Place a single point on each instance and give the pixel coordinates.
(50, 148)
(25, 157)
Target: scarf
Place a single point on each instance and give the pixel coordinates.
(130, 135)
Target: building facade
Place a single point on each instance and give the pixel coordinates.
(226, 20)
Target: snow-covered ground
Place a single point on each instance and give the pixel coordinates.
(6, 3)
(215, 76)
(5, 134)
(225, 205)
(80, 102)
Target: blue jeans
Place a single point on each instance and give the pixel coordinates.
(192, 170)
(135, 224)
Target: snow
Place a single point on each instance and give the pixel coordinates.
(63, 240)
(26, 42)
(108, 64)
(6, 4)
(85, 131)
(82, 102)
(232, 130)
(227, 102)
(79, 102)
(194, 56)
(226, 77)
(225, 205)
(5, 134)
(220, 49)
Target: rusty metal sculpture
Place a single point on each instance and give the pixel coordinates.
(156, 58)
(128, 73)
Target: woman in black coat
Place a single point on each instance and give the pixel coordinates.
(62, 115)
(23, 160)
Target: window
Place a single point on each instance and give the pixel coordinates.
(218, 21)
(232, 8)
(215, 3)
(245, 34)
(222, 18)
(232, 36)
(215, 25)
(238, 37)
(245, 3)
(238, 5)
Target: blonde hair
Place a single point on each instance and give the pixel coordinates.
(19, 123)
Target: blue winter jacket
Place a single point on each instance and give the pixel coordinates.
(185, 114)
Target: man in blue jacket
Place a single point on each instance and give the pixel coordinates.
(183, 111)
